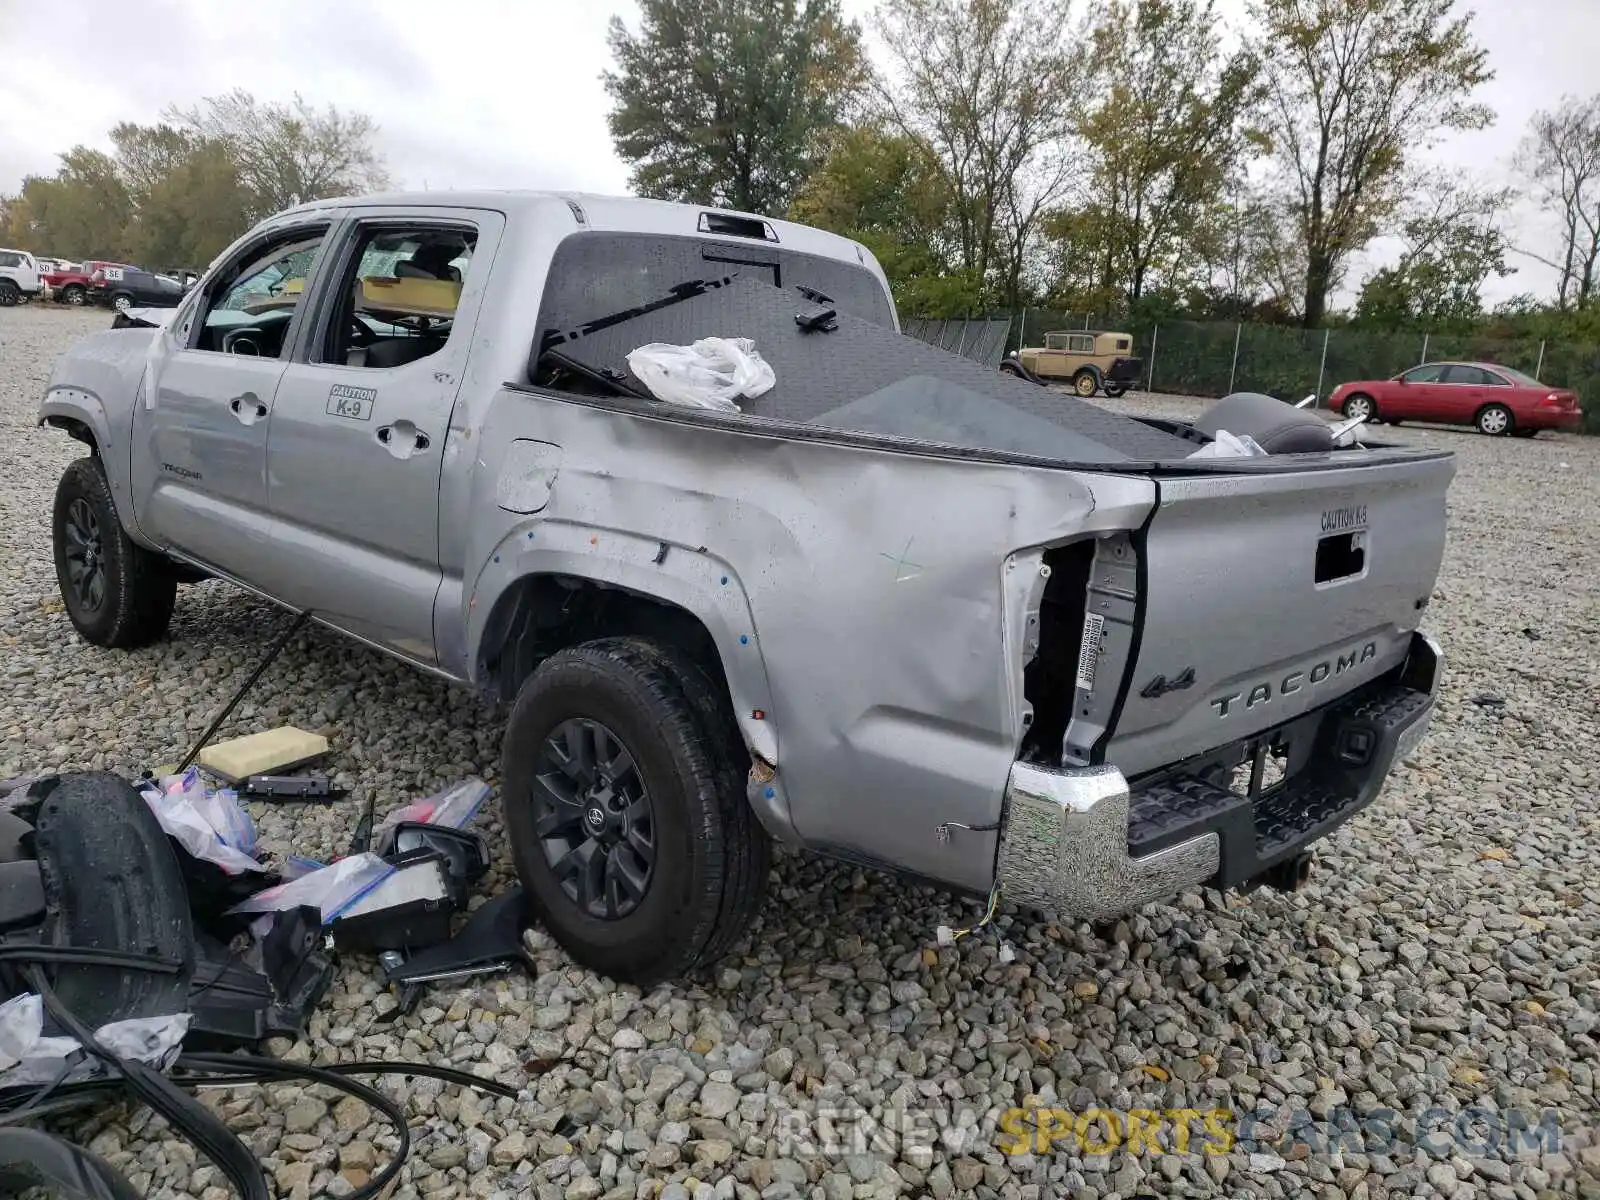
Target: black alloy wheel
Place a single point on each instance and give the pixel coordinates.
(85, 556)
(594, 818)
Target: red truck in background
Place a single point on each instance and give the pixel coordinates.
(72, 285)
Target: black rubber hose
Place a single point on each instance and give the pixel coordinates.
(182, 1111)
(245, 1068)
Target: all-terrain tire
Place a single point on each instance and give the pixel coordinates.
(138, 589)
(710, 866)
(748, 857)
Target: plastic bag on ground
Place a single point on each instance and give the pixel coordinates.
(28, 1057)
(1229, 445)
(21, 1022)
(711, 373)
(453, 807)
(330, 890)
(209, 823)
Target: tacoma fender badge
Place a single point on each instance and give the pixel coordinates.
(1161, 685)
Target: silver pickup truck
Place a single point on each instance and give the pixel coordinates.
(900, 609)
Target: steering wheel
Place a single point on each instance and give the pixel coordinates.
(361, 333)
(245, 341)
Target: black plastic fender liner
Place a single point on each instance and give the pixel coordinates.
(32, 1158)
(111, 882)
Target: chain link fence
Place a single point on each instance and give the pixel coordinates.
(1214, 358)
(982, 339)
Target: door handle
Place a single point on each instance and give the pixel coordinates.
(402, 439)
(248, 408)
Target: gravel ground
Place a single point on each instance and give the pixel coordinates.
(1440, 961)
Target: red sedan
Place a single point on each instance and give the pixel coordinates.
(1495, 399)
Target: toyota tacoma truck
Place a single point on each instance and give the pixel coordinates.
(898, 608)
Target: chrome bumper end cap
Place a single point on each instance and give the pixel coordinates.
(1064, 846)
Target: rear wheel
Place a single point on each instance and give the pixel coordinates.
(117, 594)
(122, 301)
(1115, 389)
(74, 295)
(1085, 383)
(1360, 405)
(629, 826)
(9, 293)
(1495, 420)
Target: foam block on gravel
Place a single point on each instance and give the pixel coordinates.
(273, 750)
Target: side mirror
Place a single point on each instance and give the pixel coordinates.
(1400, 379)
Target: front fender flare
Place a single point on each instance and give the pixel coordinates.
(691, 578)
(64, 404)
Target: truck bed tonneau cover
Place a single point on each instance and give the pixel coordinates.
(866, 378)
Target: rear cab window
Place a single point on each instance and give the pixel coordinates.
(598, 274)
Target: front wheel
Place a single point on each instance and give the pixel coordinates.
(74, 295)
(9, 293)
(1495, 420)
(1085, 383)
(117, 594)
(1360, 407)
(624, 802)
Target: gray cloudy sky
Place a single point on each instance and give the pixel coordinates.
(498, 93)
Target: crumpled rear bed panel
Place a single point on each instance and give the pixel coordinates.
(867, 378)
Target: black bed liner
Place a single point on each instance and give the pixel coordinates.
(865, 378)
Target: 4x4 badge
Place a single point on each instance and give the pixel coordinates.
(1160, 686)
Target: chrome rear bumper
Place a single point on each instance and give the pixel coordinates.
(1068, 836)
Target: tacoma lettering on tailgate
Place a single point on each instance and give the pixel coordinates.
(1264, 691)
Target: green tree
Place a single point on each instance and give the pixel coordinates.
(1250, 261)
(1562, 155)
(994, 88)
(1165, 136)
(1453, 243)
(1354, 87)
(84, 209)
(885, 190)
(727, 101)
(192, 213)
(286, 154)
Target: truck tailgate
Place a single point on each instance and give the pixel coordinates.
(1264, 596)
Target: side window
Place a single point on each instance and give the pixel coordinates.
(1427, 374)
(1080, 343)
(1124, 344)
(395, 302)
(1465, 374)
(1493, 380)
(1055, 341)
(247, 310)
(8, 259)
